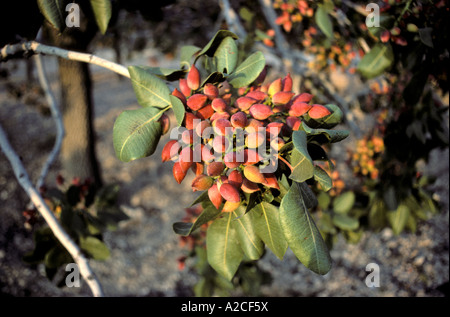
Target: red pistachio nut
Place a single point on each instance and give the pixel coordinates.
(260, 111)
(235, 178)
(180, 96)
(229, 206)
(219, 105)
(303, 97)
(206, 153)
(170, 150)
(248, 186)
(251, 157)
(244, 103)
(277, 144)
(202, 182)
(287, 83)
(255, 139)
(273, 129)
(197, 168)
(211, 91)
(271, 180)
(253, 174)
(230, 160)
(257, 95)
(215, 168)
(293, 122)
(222, 126)
(178, 173)
(200, 128)
(385, 36)
(189, 120)
(282, 98)
(239, 120)
(206, 112)
(318, 111)
(186, 158)
(275, 86)
(219, 115)
(253, 125)
(184, 88)
(229, 193)
(299, 109)
(197, 101)
(187, 136)
(214, 196)
(165, 123)
(193, 78)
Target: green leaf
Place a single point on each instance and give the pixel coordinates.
(186, 54)
(324, 200)
(308, 195)
(214, 78)
(136, 133)
(214, 43)
(325, 135)
(223, 250)
(323, 178)
(169, 74)
(302, 234)
(111, 216)
(398, 218)
(426, 36)
(329, 121)
(345, 222)
(248, 71)
(251, 244)
(390, 198)
(102, 12)
(95, 248)
(185, 228)
(54, 11)
(56, 257)
(150, 90)
(226, 55)
(178, 109)
(202, 197)
(252, 200)
(267, 226)
(323, 21)
(326, 224)
(374, 63)
(343, 203)
(44, 240)
(301, 162)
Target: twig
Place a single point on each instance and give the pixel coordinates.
(232, 19)
(38, 48)
(57, 117)
(24, 180)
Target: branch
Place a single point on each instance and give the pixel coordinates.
(57, 117)
(33, 47)
(232, 19)
(24, 180)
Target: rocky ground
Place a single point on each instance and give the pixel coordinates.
(144, 249)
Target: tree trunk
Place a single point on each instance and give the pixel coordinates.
(78, 157)
(78, 148)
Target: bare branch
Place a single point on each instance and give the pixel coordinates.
(232, 19)
(57, 117)
(38, 48)
(24, 180)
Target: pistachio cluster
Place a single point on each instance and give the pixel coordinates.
(232, 143)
